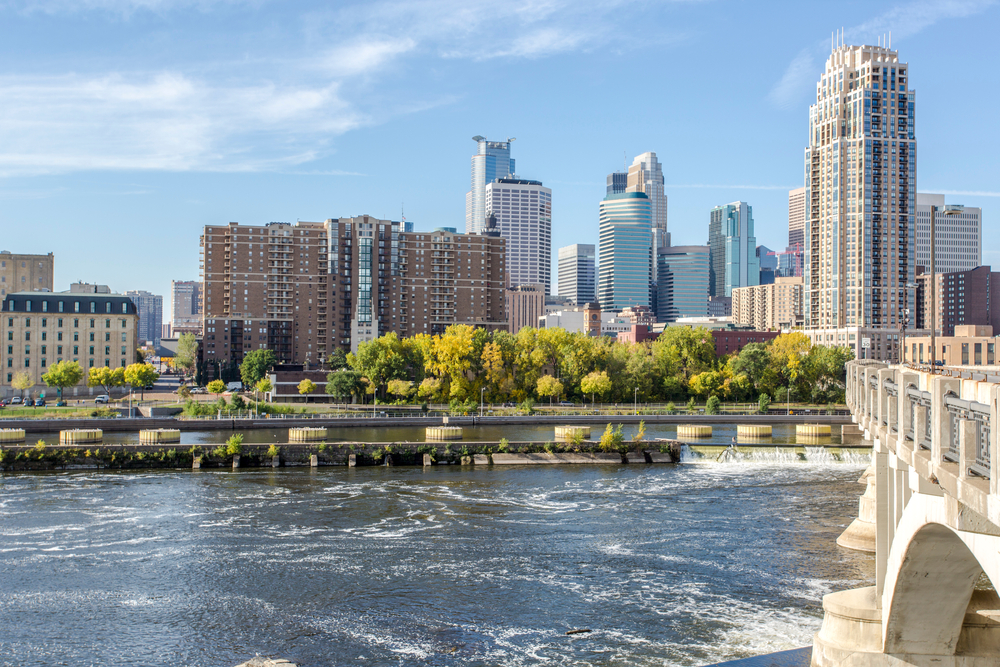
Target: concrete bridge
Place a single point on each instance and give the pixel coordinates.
(932, 517)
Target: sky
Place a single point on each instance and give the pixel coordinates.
(128, 125)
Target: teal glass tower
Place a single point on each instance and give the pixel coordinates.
(733, 247)
(626, 242)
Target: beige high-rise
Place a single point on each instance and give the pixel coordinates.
(860, 170)
(769, 307)
(796, 217)
(646, 175)
(25, 273)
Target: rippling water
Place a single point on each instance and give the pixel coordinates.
(668, 565)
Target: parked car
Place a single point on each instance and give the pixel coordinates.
(39, 402)
(103, 398)
(15, 401)
(4, 402)
(566, 404)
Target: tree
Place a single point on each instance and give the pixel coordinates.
(401, 388)
(343, 384)
(337, 360)
(141, 375)
(140, 355)
(380, 360)
(548, 386)
(255, 366)
(263, 386)
(595, 383)
(186, 356)
(707, 384)
(752, 361)
(22, 382)
(712, 405)
(216, 387)
(63, 374)
(307, 387)
(106, 378)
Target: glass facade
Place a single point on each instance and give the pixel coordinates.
(625, 245)
(734, 261)
(682, 280)
(492, 161)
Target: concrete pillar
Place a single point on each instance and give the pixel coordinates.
(884, 411)
(313, 461)
(428, 461)
(939, 415)
(236, 461)
(275, 461)
(920, 417)
(883, 536)
(905, 380)
(352, 460)
(196, 463)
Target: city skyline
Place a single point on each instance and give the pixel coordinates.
(54, 183)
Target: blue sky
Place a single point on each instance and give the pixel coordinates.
(127, 125)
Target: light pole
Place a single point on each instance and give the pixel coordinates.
(635, 401)
(948, 210)
(906, 320)
(481, 390)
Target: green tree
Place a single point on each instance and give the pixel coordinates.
(343, 384)
(22, 382)
(255, 366)
(763, 404)
(63, 374)
(595, 383)
(102, 376)
(707, 384)
(216, 387)
(753, 362)
(187, 352)
(612, 439)
(402, 389)
(712, 405)
(548, 386)
(380, 360)
(337, 360)
(141, 375)
(263, 386)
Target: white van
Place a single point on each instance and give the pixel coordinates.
(234, 386)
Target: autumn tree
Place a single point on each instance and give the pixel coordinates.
(106, 378)
(141, 375)
(22, 382)
(307, 387)
(595, 383)
(400, 388)
(548, 386)
(216, 387)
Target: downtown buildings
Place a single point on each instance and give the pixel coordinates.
(185, 307)
(25, 273)
(860, 173)
(306, 289)
(521, 211)
(150, 309)
(577, 273)
(624, 275)
(958, 236)
(733, 248)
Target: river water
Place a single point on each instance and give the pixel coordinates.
(667, 565)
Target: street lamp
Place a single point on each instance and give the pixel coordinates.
(948, 210)
(906, 320)
(635, 401)
(481, 390)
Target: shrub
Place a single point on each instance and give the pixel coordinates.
(235, 444)
(321, 447)
(549, 448)
(220, 452)
(671, 408)
(763, 403)
(239, 403)
(690, 405)
(712, 406)
(577, 438)
(104, 413)
(612, 439)
(504, 446)
(640, 435)
(527, 406)
(274, 450)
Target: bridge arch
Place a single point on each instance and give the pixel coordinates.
(930, 592)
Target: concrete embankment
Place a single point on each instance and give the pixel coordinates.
(119, 425)
(200, 457)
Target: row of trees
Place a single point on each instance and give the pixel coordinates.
(65, 374)
(467, 363)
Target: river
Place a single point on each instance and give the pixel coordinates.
(667, 565)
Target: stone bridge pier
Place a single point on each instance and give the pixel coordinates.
(936, 524)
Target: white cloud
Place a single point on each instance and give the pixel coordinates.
(902, 21)
(363, 55)
(117, 7)
(166, 121)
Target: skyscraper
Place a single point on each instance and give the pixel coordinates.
(796, 217)
(734, 249)
(958, 236)
(646, 175)
(617, 182)
(150, 309)
(625, 244)
(682, 279)
(577, 273)
(491, 161)
(185, 307)
(523, 212)
(861, 170)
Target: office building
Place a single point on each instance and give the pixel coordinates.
(625, 246)
(577, 273)
(958, 234)
(25, 273)
(770, 307)
(646, 175)
(39, 329)
(491, 161)
(305, 289)
(150, 309)
(967, 298)
(523, 212)
(860, 169)
(524, 305)
(185, 307)
(682, 282)
(790, 262)
(164, 331)
(969, 345)
(733, 248)
(797, 217)
(617, 182)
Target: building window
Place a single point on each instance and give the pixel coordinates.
(107, 324)
(93, 308)
(76, 322)
(978, 351)
(76, 306)
(965, 354)
(59, 323)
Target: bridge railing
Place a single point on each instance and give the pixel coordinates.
(944, 414)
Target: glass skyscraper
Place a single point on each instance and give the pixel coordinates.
(491, 161)
(734, 249)
(626, 224)
(682, 279)
(576, 273)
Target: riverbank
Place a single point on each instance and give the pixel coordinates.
(124, 424)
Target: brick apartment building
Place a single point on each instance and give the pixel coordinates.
(303, 290)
